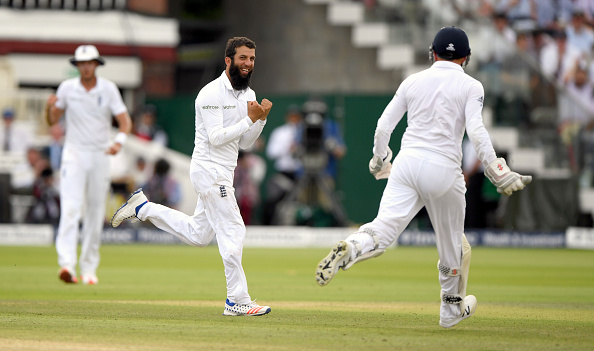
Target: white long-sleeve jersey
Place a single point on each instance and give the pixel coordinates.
(222, 123)
(442, 101)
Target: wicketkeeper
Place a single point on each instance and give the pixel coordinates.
(442, 103)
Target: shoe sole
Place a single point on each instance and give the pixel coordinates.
(119, 209)
(328, 267)
(226, 312)
(66, 277)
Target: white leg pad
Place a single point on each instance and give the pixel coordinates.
(466, 253)
(461, 272)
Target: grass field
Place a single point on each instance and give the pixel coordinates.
(172, 298)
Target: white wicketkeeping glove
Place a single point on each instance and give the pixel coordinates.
(380, 167)
(504, 179)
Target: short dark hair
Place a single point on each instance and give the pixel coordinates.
(235, 42)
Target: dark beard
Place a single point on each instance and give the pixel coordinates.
(237, 81)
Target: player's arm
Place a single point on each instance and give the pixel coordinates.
(124, 128)
(52, 113)
(496, 169)
(210, 106)
(380, 164)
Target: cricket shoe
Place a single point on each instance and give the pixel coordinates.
(248, 309)
(89, 279)
(130, 208)
(67, 275)
(467, 306)
(338, 257)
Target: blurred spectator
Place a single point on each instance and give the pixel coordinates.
(557, 58)
(453, 12)
(518, 78)
(248, 176)
(26, 173)
(162, 187)
(553, 14)
(521, 14)
(281, 149)
(578, 34)
(141, 173)
(498, 42)
(576, 110)
(543, 86)
(565, 10)
(14, 137)
(46, 207)
(145, 126)
(587, 7)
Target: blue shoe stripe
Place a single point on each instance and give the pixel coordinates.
(139, 207)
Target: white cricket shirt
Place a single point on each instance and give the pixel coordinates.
(222, 123)
(88, 113)
(442, 101)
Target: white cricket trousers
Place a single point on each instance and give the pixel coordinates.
(217, 214)
(423, 178)
(84, 184)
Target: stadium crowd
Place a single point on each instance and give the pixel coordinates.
(534, 57)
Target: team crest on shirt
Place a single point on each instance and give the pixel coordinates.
(223, 191)
(481, 100)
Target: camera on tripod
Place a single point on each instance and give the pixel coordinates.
(313, 153)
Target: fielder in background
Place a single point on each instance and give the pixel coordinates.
(442, 101)
(227, 117)
(88, 103)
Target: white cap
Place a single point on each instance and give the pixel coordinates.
(86, 53)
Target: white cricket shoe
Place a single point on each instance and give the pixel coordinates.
(130, 208)
(248, 309)
(67, 275)
(89, 279)
(467, 307)
(338, 257)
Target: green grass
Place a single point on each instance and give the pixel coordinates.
(172, 297)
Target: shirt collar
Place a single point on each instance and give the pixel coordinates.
(447, 64)
(80, 84)
(228, 85)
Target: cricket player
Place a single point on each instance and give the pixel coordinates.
(442, 102)
(227, 117)
(87, 103)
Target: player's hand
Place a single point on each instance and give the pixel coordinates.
(266, 105)
(51, 100)
(504, 179)
(255, 110)
(114, 149)
(378, 163)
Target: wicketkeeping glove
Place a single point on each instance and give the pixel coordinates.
(504, 179)
(378, 164)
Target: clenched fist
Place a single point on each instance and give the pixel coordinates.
(258, 111)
